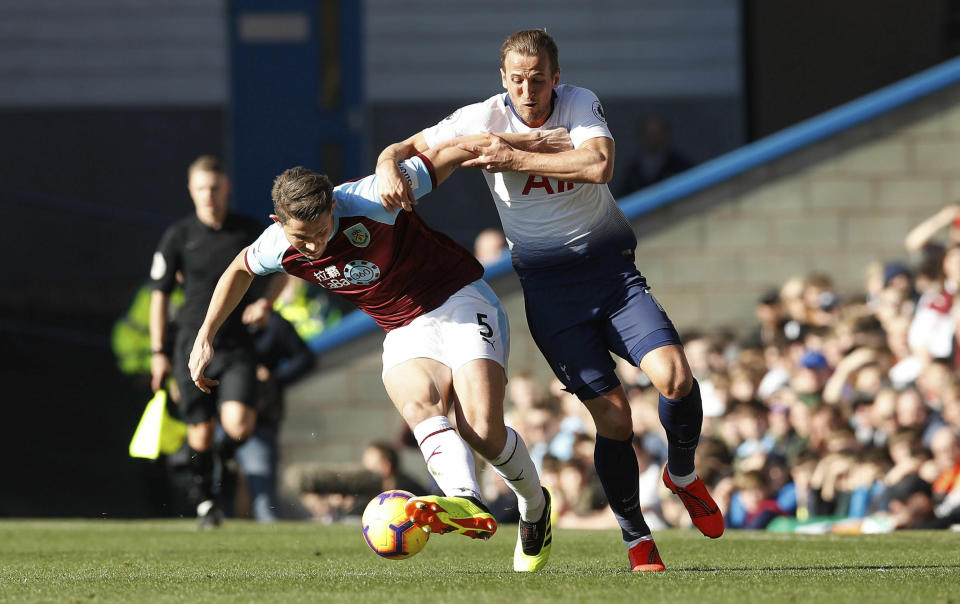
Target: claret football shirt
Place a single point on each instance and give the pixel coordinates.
(391, 266)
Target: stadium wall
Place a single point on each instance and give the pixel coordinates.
(832, 206)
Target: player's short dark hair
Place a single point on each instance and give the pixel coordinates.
(531, 42)
(302, 194)
(206, 163)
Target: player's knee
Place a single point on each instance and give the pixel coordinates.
(239, 430)
(416, 411)
(670, 372)
(613, 422)
(483, 435)
(238, 420)
(200, 436)
(677, 385)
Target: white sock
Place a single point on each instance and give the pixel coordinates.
(449, 459)
(682, 481)
(631, 544)
(515, 466)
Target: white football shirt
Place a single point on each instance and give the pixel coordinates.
(548, 223)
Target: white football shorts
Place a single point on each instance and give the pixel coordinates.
(470, 325)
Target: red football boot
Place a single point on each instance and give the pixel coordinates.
(700, 505)
(644, 557)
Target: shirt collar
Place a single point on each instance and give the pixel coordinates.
(553, 102)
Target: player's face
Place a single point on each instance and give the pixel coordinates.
(529, 80)
(308, 238)
(209, 192)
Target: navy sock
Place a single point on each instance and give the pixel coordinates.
(682, 419)
(619, 473)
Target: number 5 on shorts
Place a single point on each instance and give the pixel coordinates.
(485, 330)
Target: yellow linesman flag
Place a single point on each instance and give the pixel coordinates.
(158, 431)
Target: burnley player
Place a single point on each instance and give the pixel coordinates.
(447, 336)
(573, 250)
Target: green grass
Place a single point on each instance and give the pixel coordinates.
(168, 561)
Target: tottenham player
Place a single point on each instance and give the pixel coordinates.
(447, 335)
(573, 250)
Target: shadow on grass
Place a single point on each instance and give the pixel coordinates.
(841, 567)
(821, 567)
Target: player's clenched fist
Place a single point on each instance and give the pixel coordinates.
(496, 155)
(393, 188)
(199, 359)
(493, 154)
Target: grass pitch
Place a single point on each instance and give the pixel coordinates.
(168, 561)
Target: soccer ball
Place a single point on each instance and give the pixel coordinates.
(388, 531)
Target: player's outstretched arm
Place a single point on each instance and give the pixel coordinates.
(233, 284)
(394, 190)
(448, 156)
(592, 162)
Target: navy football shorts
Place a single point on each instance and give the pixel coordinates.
(577, 326)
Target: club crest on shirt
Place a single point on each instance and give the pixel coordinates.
(361, 272)
(358, 235)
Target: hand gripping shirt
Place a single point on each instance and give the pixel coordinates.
(552, 227)
(391, 266)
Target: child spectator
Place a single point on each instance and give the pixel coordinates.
(865, 482)
(753, 495)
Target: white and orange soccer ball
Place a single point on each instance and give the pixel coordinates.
(388, 531)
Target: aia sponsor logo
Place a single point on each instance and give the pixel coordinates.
(542, 182)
